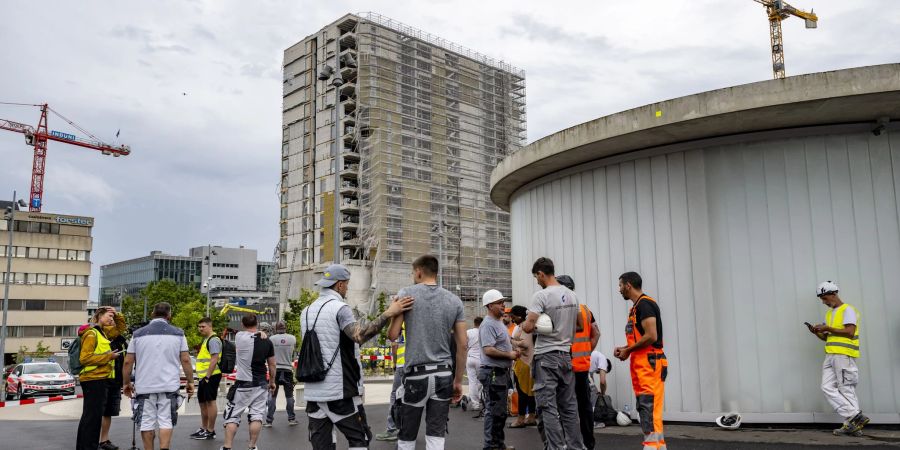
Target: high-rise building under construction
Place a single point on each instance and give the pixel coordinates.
(389, 138)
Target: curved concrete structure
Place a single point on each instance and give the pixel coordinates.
(733, 204)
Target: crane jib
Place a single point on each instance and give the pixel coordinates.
(62, 135)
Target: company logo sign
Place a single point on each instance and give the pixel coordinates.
(74, 221)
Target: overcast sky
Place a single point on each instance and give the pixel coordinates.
(195, 88)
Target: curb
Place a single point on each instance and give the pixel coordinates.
(31, 401)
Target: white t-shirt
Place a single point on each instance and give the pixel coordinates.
(599, 362)
(473, 347)
(157, 349)
(849, 315)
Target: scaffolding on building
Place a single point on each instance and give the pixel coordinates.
(420, 124)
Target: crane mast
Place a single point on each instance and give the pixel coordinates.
(778, 10)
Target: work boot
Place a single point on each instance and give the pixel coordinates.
(846, 429)
(388, 436)
(518, 423)
(858, 422)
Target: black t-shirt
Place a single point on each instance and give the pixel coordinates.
(259, 367)
(645, 309)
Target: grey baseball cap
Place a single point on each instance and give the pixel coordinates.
(333, 274)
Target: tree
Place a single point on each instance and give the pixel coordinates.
(295, 308)
(381, 306)
(188, 307)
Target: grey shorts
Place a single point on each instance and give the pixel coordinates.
(159, 410)
(253, 400)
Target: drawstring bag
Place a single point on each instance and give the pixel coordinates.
(310, 364)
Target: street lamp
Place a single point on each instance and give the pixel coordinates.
(208, 285)
(10, 215)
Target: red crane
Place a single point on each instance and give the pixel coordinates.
(38, 138)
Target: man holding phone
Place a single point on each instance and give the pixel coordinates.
(839, 371)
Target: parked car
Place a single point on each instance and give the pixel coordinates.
(39, 379)
(184, 378)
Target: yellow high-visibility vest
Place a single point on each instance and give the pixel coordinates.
(204, 358)
(838, 344)
(103, 346)
(401, 348)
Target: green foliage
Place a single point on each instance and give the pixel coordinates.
(381, 304)
(42, 351)
(295, 307)
(188, 307)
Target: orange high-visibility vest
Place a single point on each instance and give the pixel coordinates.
(581, 345)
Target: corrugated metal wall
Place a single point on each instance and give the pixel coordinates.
(732, 241)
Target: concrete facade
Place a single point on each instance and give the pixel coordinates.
(733, 205)
(51, 266)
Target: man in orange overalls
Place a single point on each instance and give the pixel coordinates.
(649, 367)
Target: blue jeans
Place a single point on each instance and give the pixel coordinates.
(285, 378)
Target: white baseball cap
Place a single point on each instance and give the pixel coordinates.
(491, 296)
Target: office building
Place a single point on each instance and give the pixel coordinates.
(51, 265)
(389, 137)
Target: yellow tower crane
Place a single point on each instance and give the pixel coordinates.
(779, 10)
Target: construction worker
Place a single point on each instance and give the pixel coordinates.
(284, 375)
(430, 379)
(336, 401)
(398, 348)
(507, 321)
(585, 341)
(839, 371)
(497, 355)
(649, 366)
(473, 362)
(210, 377)
(554, 381)
(98, 375)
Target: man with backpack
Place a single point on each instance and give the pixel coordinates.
(95, 362)
(284, 374)
(210, 376)
(329, 361)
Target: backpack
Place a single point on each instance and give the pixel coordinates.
(74, 351)
(604, 411)
(310, 364)
(228, 357)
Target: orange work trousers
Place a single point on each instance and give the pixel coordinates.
(648, 376)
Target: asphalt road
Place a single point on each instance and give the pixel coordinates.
(465, 433)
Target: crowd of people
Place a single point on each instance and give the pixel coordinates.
(538, 363)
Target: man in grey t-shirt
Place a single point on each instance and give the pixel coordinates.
(284, 372)
(554, 381)
(429, 381)
(497, 356)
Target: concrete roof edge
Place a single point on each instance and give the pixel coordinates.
(748, 107)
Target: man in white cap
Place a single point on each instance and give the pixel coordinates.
(337, 400)
(497, 355)
(839, 371)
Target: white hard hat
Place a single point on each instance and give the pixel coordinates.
(544, 325)
(622, 419)
(491, 296)
(826, 287)
(730, 421)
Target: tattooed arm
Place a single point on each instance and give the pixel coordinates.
(361, 332)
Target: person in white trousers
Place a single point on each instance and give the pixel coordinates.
(473, 360)
(839, 371)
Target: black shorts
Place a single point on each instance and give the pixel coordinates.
(207, 390)
(113, 400)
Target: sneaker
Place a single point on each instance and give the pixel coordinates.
(858, 422)
(293, 422)
(199, 434)
(210, 435)
(267, 425)
(388, 436)
(107, 445)
(253, 448)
